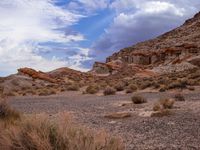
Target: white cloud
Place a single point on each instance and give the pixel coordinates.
(146, 6)
(76, 60)
(88, 5)
(24, 25)
(139, 20)
(160, 7)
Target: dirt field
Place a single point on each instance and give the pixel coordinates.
(140, 131)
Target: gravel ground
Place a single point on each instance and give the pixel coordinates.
(180, 131)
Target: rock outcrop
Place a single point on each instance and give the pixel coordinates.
(178, 46)
(36, 74)
(174, 47)
(107, 68)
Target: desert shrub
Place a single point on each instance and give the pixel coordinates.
(162, 108)
(62, 89)
(145, 85)
(173, 78)
(9, 93)
(179, 97)
(162, 89)
(6, 112)
(73, 87)
(29, 92)
(167, 103)
(156, 85)
(92, 89)
(157, 107)
(137, 99)
(52, 91)
(120, 86)
(177, 84)
(109, 91)
(103, 85)
(46, 92)
(42, 92)
(132, 87)
(129, 91)
(162, 80)
(40, 133)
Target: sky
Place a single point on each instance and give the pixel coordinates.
(49, 34)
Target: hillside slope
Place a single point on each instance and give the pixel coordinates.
(178, 48)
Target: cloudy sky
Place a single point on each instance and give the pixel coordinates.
(48, 34)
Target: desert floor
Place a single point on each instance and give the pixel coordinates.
(180, 130)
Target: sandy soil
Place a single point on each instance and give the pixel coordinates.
(140, 131)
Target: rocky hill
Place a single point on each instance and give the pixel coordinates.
(169, 61)
(176, 50)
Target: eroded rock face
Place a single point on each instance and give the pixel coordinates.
(107, 68)
(101, 68)
(175, 51)
(164, 55)
(173, 46)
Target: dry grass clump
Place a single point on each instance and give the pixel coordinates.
(137, 99)
(109, 91)
(40, 133)
(6, 112)
(92, 89)
(162, 108)
(157, 107)
(167, 103)
(179, 97)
